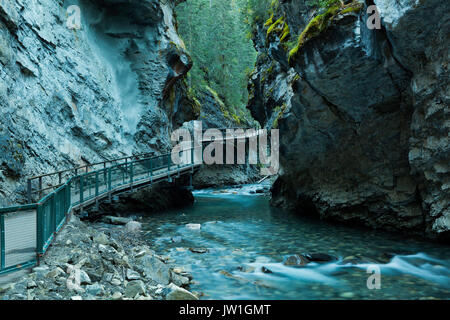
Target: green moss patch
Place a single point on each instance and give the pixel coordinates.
(320, 23)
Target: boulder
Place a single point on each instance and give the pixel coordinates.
(193, 226)
(296, 261)
(154, 269)
(101, 238)
(320, 257)
(116, 296)
(266, 270)
(179, 280)
(198, 250)
(55, 273)
(116, 220)
(177, 293)
(133, 226)
(132, 275)
(84, 277)
(134, 288)
(95, 289)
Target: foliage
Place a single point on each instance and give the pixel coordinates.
(324, 3)
(218, 37)
(321, 22)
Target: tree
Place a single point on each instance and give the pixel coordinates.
(216, 35)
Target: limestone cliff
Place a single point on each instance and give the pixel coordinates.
(71, 97)
(363, 114)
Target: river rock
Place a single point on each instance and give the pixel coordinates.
(41, 270)
(320, 257)
(133, 226)
(179, 280)
(116, 296)
(177, 239)
(266, 270)
(101, 238)
(95, 289)
(84, 278)
(296, 261)
(55, 273)
(134, 288)
(177, 293)
(198, 250)
(350, 260)
(154, 269)
(347, 295)
(73, 282)
(132, 275)
(108, 252)
(116, 220)
(95, 274)
(194, 226)
(30, 285)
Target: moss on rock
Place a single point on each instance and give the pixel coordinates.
(320, 23)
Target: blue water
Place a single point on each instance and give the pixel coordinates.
(243, 234)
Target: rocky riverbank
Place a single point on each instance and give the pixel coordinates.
(102, 261)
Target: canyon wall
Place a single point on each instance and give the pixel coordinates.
(363, 114)
(71, 97)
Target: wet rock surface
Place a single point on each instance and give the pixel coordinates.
(227, 175)
(74, 97)
(363, 116)
(99, 261)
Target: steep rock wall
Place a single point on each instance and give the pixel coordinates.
(363, 115)
(71, 97)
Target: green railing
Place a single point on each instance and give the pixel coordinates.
(27, 231)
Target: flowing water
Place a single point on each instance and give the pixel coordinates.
(243, 234)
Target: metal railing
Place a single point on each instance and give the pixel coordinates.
(26, 231)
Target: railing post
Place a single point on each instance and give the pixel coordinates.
(131, 173)
(69, 196)
(59, 177)
(109, 184)
(109, 179)
(29, 190)
(96, 184)
(39, 230)
(53, 212)
(2, 241)
(40, 188)
(81, 190)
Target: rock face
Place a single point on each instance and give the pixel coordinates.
(152, 199)
(363, 116)
(76, 96)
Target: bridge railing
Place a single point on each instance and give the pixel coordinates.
(27, 231)
(39, 186)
